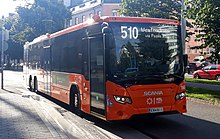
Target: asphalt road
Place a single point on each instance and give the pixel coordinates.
(202, 120)
(13, 81)
(205, 86)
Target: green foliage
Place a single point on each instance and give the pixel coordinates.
(44, 16)
(33, 20)
(1, 24)
(204, 94)
(169, 9)
(205, 81)
(15, 49)
(205, 14)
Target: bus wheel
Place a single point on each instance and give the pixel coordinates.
(35, 85)
(30, 83)
(74, 100)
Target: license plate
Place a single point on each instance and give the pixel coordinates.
(155, 110)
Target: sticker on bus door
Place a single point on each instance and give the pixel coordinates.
(155, 110)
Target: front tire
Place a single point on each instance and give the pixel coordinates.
(75, 100)
(30, 83)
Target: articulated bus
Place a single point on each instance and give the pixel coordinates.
(111, 67)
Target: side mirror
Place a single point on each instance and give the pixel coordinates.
(106, 30)
(185, 59)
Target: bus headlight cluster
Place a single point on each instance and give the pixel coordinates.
(180, 96)
(122, 99)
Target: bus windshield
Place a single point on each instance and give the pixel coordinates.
(145, 49)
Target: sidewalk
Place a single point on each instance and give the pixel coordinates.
(22, 118)
(27, 115)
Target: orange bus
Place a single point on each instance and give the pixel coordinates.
(111, 67)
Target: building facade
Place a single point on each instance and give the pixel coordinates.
(87, 9)
(192, 46)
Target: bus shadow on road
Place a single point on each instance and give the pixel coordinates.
(166, 126)
(11, 91)
(177, 126)
(170, 126)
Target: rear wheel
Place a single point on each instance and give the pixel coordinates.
(30, 83)
(196, 76)
(35, 85)
(217, 77)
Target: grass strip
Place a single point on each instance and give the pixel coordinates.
(202, 81)
(205, 94)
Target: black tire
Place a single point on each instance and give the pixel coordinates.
(217, 77)
(196, 76)
(35, 85)
(75, 100)
(30, 83)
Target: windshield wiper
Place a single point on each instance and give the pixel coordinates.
(151, 76)
(139, 77)
(175, 75)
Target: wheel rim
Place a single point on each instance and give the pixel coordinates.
(218, 78)
(30, 83)
(35, 85)
(196, 76)
(76, 100)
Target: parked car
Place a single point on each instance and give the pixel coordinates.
(191, 68)
(211, 72)
(203, 64)
(199, 59)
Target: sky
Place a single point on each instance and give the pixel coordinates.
(8, 6)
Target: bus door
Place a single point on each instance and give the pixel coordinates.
(47, 69)
(97, 78)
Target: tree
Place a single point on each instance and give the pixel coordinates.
(77, 2)
(33, 20)
(15, 49)
(205, 14)
(43, 16)
(169, 9)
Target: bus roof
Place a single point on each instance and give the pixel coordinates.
(97, 19)
(139, 20)
(38, 39)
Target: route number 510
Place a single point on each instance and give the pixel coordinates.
(131, 32)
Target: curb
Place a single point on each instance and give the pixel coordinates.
(203, 86)
(72, 128)
(204, 101)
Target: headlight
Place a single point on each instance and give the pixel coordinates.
(180, 96)
(122, 99)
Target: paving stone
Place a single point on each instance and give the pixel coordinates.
(20, 118)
